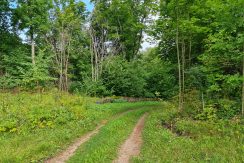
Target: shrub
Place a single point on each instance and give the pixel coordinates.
(124, 78)
(8, 82)
(95, 88)
(208, 113)
(227, 109)
(192, 103)
(120, 100)
(76, 87)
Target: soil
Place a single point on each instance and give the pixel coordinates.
(132, 145)
(70, 151)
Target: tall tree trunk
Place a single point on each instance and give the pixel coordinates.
(67, 65)
(203, 102)
(189, 54)
(183, 70)
(96, 66)
(32, 47)
(92, 64)
(242, 110)
(92, 55)
(178, 58)
(61, 84)
(66, 76)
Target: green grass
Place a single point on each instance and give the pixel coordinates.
(200, 141)
(35, 126)
(104, 146)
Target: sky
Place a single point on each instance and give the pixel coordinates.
(89, 5)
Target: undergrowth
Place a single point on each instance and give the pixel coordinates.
(188, 140)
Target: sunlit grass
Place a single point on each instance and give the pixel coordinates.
(35, 126)
(200, 141)
(104, 146)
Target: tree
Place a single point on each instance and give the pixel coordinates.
(124, 78)
(181, 28)
(66, 22)
(4, 31)
(117, 29)
(32, 15)
(160, 78)
(222, 59)
(37, 75)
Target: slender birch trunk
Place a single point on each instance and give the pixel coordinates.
(32, 48)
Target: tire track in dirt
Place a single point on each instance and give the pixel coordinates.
(67, 153)
(132, 145)
(70, 151)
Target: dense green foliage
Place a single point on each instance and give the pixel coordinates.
(59, 44)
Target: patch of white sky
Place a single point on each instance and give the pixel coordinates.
(148, 41)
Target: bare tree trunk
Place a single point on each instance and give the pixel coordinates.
(183, 70)
(96, 66)
(66, 66)
(98, 52)
(94, 61)
(92, 55)
(32, 49)
(66, 77)
(189, 55)
(61, 63)
(242, 109)
(178, 58)
(203, 102)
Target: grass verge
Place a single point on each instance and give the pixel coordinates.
(200, 141)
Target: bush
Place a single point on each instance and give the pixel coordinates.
(37, 75)
(192, 103)
(120, 100)
(75, 87)
(8, 82)
(227, 109)
(160, 78)
(124, 78)
(208, 113)
(89, 87)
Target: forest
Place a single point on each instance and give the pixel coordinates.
(96, 70)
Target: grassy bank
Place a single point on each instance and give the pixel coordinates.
(168, 138)
(36, 126)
